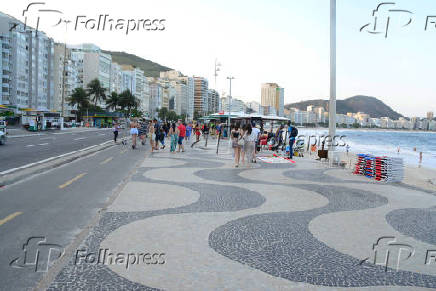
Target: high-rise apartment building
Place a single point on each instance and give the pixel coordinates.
(96, 65)
(116, 78)
(272, 95)
(430, 115)
(183, 102)
(201, 95)
(26, 66)
(255, 107)
(213, 101)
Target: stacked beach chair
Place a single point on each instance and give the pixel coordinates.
(383, 169)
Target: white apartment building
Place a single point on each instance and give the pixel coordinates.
(213, 101)
(237, 105)
(96, 65)
(190, 87)
(386, 122)
(156, 96)
(116, 78)
(26, 66)
(183, 103)
(181, 100)
(255, 106)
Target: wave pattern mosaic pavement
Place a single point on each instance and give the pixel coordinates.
(279, 244)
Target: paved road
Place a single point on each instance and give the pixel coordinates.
(20, 151)
(58, 204)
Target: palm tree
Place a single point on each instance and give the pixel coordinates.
(113, 101)
(79, 98)
(129, 101)
(96, 91)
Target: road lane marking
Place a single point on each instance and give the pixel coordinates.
(52, 158)
(107, 161)
(26, 135)
(45, 138)
(68, 183)
(43, 144)
(124, 151)
(80, 138)
(10, 217)
(30, 145)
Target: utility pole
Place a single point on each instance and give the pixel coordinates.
(332, 103)
(217, 69)
(230, 105)
(63, 75)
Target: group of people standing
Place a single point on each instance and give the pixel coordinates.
(177, 131)
(244, 141)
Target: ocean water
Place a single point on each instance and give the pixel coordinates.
(386, 143)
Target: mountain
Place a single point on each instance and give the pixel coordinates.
(370, 105)
(150, 68)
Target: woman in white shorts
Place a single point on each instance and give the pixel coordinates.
(152, 135)
(134, 133)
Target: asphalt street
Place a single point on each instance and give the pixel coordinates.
(20, 151)
(56, 205)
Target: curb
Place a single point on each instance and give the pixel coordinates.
(12, 176)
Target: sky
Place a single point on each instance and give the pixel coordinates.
(280, 41)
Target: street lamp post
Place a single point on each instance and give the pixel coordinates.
(230, 105)
(217, 69)
(63, 75)
(332, 103)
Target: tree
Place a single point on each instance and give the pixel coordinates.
(128, 102)
(113, 101)
(163, 113)
(136, 113)
(249, 110)
(79, 98)
(172, 116)
(97, 92)
(197, 115)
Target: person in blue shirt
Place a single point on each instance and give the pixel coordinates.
(291, 136)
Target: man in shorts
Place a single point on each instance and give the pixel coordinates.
(182, 134)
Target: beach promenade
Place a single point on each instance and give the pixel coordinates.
(191, 221)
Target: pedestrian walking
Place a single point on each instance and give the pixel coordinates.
(292, 133)
(152, 135)
(134, 132)
(197, 133)
(173, 137)
(181, 136)
(256, 137)
(115, 130)
(188, 131)
(420, 159)
(237, 143)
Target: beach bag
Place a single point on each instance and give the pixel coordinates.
(241, 141)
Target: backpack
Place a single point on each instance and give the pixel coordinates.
(294, 132)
